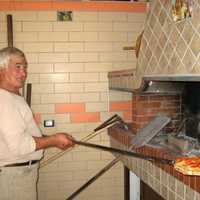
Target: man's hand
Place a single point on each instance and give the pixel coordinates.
(59, 140)
(63, 140)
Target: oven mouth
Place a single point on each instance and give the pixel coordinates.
(168, 84)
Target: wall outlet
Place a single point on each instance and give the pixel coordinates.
(49, 123)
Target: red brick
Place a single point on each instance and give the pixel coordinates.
(120, 106)
(70, 108)
(84, 117)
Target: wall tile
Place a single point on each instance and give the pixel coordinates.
(111, 16)
(69, 47)
(40, 68)
(86, 77)
(25, 37)
(69, 87)
(97, 67)
(53, 37)
(46, 16)
(53, 57)
(85, 97)
(38, 47)
(68, 67)
(97, 26)
(37, 26)
(96, 107)
(86, 16)
(54, 98)
(54, 78)
(98, 46)
(83, 57)
(67, 26)
(112, 36)
(83, 36)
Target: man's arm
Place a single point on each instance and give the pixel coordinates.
(59, 140)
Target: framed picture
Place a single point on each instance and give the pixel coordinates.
(64, 15)
(182, 9)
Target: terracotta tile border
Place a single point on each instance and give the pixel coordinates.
(69, 107)
(82, 6)
(121, 106)
(84, 117)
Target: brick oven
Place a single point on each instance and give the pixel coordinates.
(165, 81)
(176, 97)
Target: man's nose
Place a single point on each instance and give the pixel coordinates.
(23, 72)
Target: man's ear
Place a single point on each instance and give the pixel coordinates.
(1, 72)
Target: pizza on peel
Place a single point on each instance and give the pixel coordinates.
(188, 165)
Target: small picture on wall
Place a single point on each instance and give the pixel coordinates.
(182, 9)
(64, 16)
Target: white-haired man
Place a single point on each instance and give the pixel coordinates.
(21, 142)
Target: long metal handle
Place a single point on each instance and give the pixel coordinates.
(126, 153)
(94, 178)
(106, 123)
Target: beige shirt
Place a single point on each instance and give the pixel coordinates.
(17, 126)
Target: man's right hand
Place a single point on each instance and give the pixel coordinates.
(59, 140)
(63, 140)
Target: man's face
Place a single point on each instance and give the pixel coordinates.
(15, 74)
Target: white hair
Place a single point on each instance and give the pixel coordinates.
(6, 53)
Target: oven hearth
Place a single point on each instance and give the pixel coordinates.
(176, 98)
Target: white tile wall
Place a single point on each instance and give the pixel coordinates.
(68, 63)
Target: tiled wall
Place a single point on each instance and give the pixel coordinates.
(68, 65)
(169, 47)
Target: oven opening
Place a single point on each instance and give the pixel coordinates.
(177, 98)
(191, 108)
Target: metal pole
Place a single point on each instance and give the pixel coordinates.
(90, 181)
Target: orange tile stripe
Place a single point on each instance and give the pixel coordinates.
(69, 107)
(82, 6)
(121, 106)
(84, 117)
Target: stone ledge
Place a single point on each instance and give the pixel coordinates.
(164, 179)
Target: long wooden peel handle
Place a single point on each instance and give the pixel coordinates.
(126, 153)
(129, 48)
(28, 93)
(10, 30)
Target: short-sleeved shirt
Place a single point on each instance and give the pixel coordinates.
(17, 126)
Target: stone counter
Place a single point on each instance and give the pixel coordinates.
(164, 179)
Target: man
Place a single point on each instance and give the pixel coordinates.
(21, 142)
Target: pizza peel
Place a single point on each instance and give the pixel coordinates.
(126, 153)
(174, 163)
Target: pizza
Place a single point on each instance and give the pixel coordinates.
(188, 165)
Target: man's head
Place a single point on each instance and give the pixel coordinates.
(13, 69)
